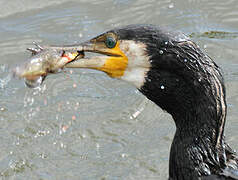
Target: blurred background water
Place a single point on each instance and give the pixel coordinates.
(81, 124)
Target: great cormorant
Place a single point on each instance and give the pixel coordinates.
(174, 73)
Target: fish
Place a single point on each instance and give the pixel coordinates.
(43, 61)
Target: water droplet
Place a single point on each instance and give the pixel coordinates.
(12, 164)
(161, 51)
(185, 60)
(64, 128)
(73, 117)
(43, 156)
(135, 114)
(171, 6)
(123, 155)
(166, 42)
(199, 79)
(84, 136)
(162, 87)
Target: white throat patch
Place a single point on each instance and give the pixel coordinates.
(138, 62)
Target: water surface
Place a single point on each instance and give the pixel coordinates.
(82, 124)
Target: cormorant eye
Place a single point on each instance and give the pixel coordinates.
(110, 42)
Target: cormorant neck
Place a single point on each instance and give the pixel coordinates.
(198, 147)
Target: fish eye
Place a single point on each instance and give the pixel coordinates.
(62, 53)
(110, 42)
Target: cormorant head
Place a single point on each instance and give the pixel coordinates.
(166, 66)
(123, 53)
(128, 52)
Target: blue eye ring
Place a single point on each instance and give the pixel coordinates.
(110, 42)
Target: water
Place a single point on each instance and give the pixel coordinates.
(75, 125)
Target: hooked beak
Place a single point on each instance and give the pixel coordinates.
(109, 60)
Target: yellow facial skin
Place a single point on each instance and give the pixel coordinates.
(115, 66)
